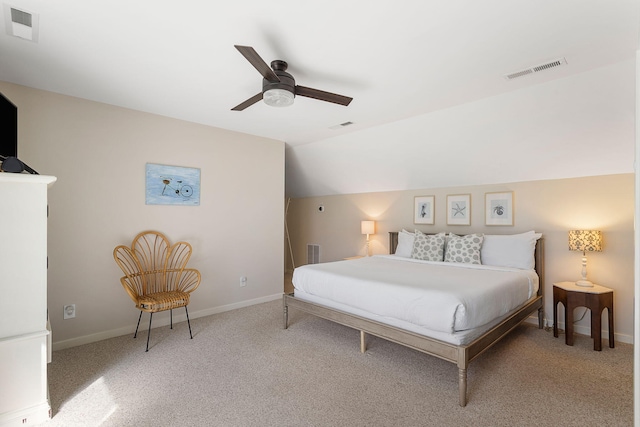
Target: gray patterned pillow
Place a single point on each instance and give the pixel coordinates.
(464, 249)
(428, 247)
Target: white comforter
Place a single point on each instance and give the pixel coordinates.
(439, 296)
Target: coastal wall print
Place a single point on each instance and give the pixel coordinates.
(498, 208)
(459, 209)
(172, 185)
(423, 209)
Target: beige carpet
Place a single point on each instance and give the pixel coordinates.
(243, 369)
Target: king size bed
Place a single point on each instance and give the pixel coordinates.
(449, 296)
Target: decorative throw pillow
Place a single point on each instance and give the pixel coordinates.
(428, 247)
(464, 249)
(405, 244)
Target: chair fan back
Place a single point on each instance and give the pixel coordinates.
(133, 280)
(152, 265)
(177, 259)
(152, 250)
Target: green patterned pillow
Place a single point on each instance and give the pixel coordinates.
(464, 249)
(428, 247)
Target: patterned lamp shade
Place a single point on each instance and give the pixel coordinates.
(585, 240)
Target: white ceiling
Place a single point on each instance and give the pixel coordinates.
(397, 59)
(404, 62)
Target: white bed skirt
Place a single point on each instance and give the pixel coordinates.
(457, 338)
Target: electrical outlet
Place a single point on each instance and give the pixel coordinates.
(69, 311)
(243, 281)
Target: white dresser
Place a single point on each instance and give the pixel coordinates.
(24, 334)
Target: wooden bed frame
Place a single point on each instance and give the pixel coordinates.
(461, 355)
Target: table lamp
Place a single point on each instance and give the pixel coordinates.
(368, 227)
(585, 241)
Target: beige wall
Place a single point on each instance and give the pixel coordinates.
(98, 153)
(551, 207)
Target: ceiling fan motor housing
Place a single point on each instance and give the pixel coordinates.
(278, 87)
(286, 80)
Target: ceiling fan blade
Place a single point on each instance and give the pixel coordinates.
(255, 60)
(322, 95)
(248, 103)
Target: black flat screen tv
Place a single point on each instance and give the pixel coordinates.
(8, 128)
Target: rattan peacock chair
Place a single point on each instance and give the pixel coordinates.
(155, 275)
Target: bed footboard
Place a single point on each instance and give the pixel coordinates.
(460, 355)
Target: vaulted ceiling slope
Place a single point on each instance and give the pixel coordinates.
(424, 75)
(581, 125)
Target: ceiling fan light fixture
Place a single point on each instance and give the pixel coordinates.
(278, 97)
(279, 87)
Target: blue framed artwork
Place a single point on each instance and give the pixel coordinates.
(172, 185)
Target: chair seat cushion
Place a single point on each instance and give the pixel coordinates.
(160, 301)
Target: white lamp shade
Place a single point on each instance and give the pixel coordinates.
(278, 98)
(368, 227)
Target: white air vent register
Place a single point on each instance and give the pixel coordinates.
(20, 23)
(536, 69)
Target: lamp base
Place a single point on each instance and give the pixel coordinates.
(584, 283)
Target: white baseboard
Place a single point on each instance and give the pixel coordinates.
(583, 330)
(181, 317)
(177, 317)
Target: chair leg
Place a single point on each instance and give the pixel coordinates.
(149, 334)
(138, 325)
(188, 322)
(171, 317)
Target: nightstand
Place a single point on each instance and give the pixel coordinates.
(595, 298)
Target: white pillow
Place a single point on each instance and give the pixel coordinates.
(514, 250)
(405, 243)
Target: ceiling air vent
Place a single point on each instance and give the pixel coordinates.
(341, 125)
(20, 23)
(536, 69)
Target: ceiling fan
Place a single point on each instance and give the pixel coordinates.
(279, 87)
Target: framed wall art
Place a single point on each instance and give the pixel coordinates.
(172, 185)
(498, 208)
(424, 210)
(459, 209)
